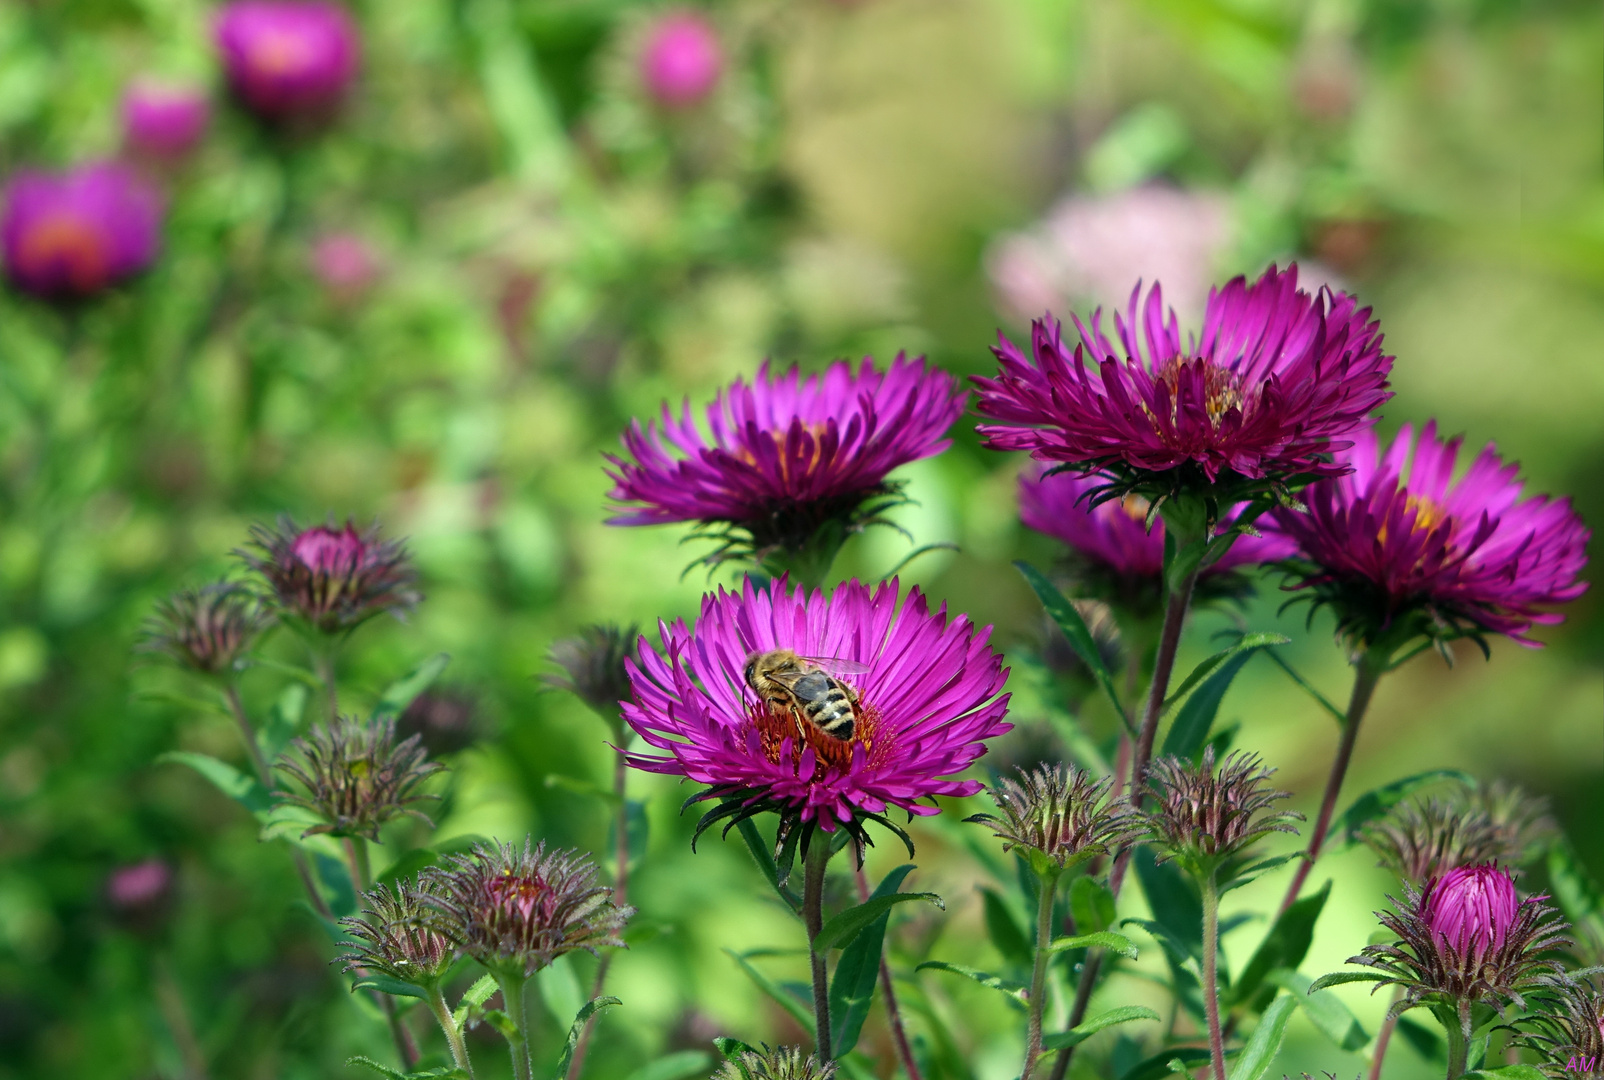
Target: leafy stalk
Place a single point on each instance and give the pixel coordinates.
(1211, 990)
(448, 1024)
(512, 1000)
(1038, 973)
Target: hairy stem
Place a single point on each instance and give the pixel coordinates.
(888, 998)
(1369, 667)
(448, 1024)
(265, 775)
(1383, 1037)
(576, 1065)
(1211, 988)
(818, 858)
(512, 1000)
(1163, 666)
(1458, 1050)
(1038, 973)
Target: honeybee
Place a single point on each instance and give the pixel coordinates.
(805, 687)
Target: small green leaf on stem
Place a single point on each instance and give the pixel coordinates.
(844, 926)
(1063, 1040)
(591, 1008)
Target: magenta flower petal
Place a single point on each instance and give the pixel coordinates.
(288, 59)
(1401, 535)
(931, 697)
(682, 60)
(1278, 381)
(1471, 908)
(162, 120)
(71, 235)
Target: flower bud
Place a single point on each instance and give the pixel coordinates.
(1206, 817)
(444, 720)
(393, 936)
(357, 777)
(517, 911)
(288, 60)
(593, 666)
(682, 60)
(1060, 814)
(163, 122)
(1470, 909)
(333, 580)
(210, 629)
(780, 1063)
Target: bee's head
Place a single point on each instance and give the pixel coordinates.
(750, 670)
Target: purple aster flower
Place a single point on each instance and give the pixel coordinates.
(70, 235)
(1277, 383)
(926, 695)
(1401, 548)
(1114, 556)
(332, 579)
(288, 60)
(787, 456)
(1471, 908)
(164, 121)
(682, 60)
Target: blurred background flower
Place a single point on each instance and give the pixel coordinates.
(70, 235)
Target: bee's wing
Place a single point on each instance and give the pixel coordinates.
(837, 666)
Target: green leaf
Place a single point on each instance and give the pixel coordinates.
(1265, 1042)
(1011, 987)
(1508, 1072)
(1075, 630)
(1101, 939)
(1338, 978)
(1190, 730)
(184, 701)
(588, 788)
(1091, 903)
(1063, 1040)
(283, 721)
(1004, 930)
(1285, 945)
(1175, 949)
(395, 699)
(676, 1066)
(1234, 878)
(1158, 1066)
(382, 1070)
(841, 929)
(763, 855)
(591, 1008)
(558, 986)
(287, 822)
(1372, 804)
(1427, 1043)
(502, 1023)
(852, 988)
(1248, 643)
(1308, 687)
(1173, 900)
(241, 787)
(802, 1014)
(637, 829)
(1575, 891)
(731, 1047)
(1324, 1009)
(475, 997)
(386, 985)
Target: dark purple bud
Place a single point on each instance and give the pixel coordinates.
(356, 777)
(1061, 813)
(332, 579)
(288, 60)
(393, 936)
(140, 895)
(1206, 816)
(444, 720)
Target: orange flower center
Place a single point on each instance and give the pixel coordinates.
(279, 52)
(65, 239)
(1222, 390)
(746, 454)
(829, 752)
(1428, 515)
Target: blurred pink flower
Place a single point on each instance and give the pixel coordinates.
(682, 59)
(139, 885)
(1094, 247)
(288, 59)
(164, 120)
(345, 264)
(70, 235)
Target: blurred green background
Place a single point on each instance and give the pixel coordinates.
(556, 256)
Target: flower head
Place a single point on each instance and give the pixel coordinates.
(162, 120)
(780, 1063)
(345, 265)
(140, 894)
(357, 777)
(1400, 548)
(1468, 937)
(594, 666)
(67, 236)
(1061, 814)
(924, 692)
(1207, 817)
(209, 629)
(786, 457)
(393, 935)
(1425, 838)
(1278, 382)
(1114, 555)
(682, 60)
(288, 60)
(332, 579)
(517, 911)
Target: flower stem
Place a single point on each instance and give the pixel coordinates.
(1370, 665)
(448, 1024)
(323, 661)
(512, 1000)
(576, 1066)
(1211, 991)
(1383, 1037)
(170, 999)
(818, 858)
(1038, 973)
(265, 775)
(1163, 666)
(888, 997)
(1458, 1050)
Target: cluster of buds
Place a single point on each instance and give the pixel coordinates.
(517, 910)
(1568, 1030)
(780, 1063)
(330, 579)
(393, 936)
(356, 777)
(1468, 937)
(1425, 838)
(208, 630)
(1206, 819)
(1058, 817)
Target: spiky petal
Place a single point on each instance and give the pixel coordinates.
(332, 579)
(1400, 547)
(393, 935)
(210, 629)
(1568, 1030)
(1062, 814)
(515, 911)
(1206, 817)
(356, 777)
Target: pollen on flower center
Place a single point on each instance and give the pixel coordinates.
(1222, 389)
(519, 894)
(778, 437)
(71, 240)
(1428, 514)
(829, 752)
